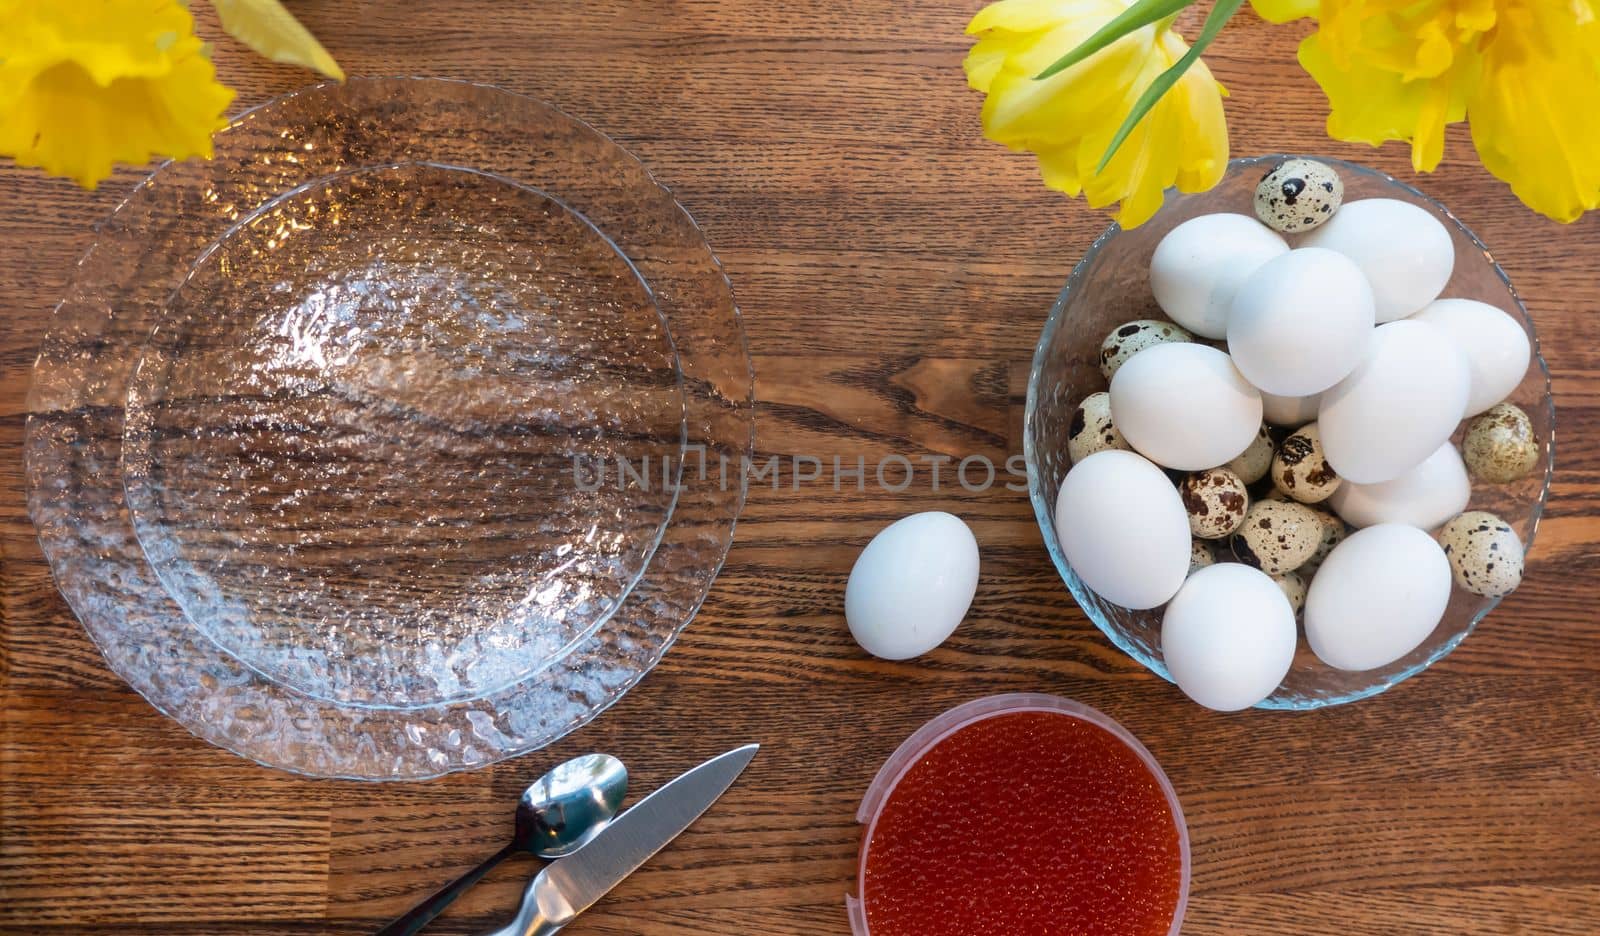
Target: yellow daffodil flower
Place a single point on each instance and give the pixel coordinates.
(1070, 118)
(1525, 74)
(87, 84)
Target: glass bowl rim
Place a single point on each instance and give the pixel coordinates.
(1044, 512)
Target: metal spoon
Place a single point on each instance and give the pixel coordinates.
(556, 816)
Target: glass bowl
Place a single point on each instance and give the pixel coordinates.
(394, 439)
(1110, 286)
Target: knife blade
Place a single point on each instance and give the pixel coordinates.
(570, 885)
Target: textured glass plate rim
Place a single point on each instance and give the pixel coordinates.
(139, 529)
(1044, 512)
(647, 664)
(924, 739)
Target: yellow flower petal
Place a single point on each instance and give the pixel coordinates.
(1144, 171)
(982, 64)
(1021, 110)
(1203, 146)
(1528, 124)
(1435, 53)
(84, 86)
(1383, 83)
(1026, 16)
(1282, 11)
(1524, 73)
(271, 30)
(1478, 16)
(1069, 119)
(1059, 167)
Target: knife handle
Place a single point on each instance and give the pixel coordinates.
(533, 917)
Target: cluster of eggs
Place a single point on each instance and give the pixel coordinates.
(1332, 408)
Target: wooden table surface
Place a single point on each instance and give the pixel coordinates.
(894, 270)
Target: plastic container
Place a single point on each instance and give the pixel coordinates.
(929, 736)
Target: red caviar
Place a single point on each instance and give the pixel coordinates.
(1029, 823)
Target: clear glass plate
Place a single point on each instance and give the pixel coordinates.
(350, 442)
(326, 440)
(1111, 285)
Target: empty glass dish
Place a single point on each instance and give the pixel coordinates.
(377, 446)
(354, 441)
(1111, 286)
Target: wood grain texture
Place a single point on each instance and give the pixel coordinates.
(894, 270)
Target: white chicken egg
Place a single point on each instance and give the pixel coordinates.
(1228, 637)
(1301, 322)
(1123, 528)
(1198, 265)
(1424, 497)
(1378, 595)
(1185, 406)
(1397, 407)
(1292, 412)
(912, 585)
(1404, 250)
(1495, 345)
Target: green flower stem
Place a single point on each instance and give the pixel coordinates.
(1220, 14)
(1138, 16)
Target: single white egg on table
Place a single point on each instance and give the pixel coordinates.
(1495, 345)
(1405, 251)
(1292, 412)
(1228, 637)
(1397, 407)
(1185, 406)
(1301, 322)
(912, 585)
(1424, 497)
(1378, 595)
(1123, 528)
(1198, 265)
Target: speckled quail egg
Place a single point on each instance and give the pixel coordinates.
(1298, 195)
(1091, 430)
(1200, 555)
(1301, 470)
(1216, 500)
(1252, 464)
(1334, 530)
(1499, 446)
(1130, 338)
(1294, 589)
(1277, 536)
(1485, 553)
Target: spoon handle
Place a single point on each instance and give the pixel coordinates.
(423, 913)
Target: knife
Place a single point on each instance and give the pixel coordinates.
(568, 886)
